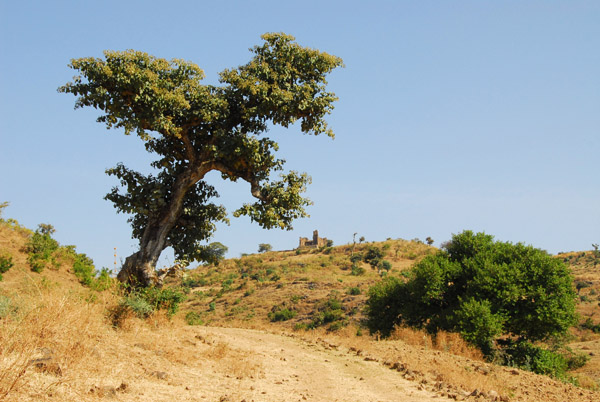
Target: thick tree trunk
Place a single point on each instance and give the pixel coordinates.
(139, 269)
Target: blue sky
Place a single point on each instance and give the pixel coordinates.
(452, 115)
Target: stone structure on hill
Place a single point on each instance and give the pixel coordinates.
(315, 242)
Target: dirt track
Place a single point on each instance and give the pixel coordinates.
(294, 370)
(234, 365)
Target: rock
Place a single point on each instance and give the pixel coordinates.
(493, 395)
(476, 392)
(161, 375)
(47, 365)
(105, 391)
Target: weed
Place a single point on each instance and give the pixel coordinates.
(193, 318)
(354, 291)
(6, 263)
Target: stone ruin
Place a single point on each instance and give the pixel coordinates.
(315, 242)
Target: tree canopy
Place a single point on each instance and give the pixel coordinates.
(193, 129)
(482, 288)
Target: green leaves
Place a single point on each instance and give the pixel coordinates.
(280, 202)
(482, 289)
(194, 129)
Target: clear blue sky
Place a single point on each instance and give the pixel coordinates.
(452, 115)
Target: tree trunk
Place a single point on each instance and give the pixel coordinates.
(139, 269)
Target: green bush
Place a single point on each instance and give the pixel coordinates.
(373, 256)
(83, 268)
(385, 265)
(533, 358)
(41, 247)
(145, 301)
(329, 312)
(354, 291)
(280, 313)
(193, 318)
(356, 270)
(482, 289)
(6, 263)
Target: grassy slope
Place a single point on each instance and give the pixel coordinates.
(52, 316)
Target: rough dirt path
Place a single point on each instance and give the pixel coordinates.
(236, 365)
(294, 370)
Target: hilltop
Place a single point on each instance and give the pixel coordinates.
(264, 327)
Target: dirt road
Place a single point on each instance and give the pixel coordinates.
(229, 364)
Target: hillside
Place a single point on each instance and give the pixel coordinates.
(58, 342)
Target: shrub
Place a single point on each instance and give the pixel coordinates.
(356, 270)
(6, 263)
(264, 247)
(482, 289)
(84, 270)
(354, 291)
(193, 318)
(385, 265)
(137, 304)
(145, 301)
(280, 313)
(41, 247)
(533, 358)
(373, 256)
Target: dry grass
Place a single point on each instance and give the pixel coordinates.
(48, 341)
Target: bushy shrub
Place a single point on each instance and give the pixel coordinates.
(83, 268)
(482, 289)
(193, 318)
(41, 247)
(533, 358)
(6, 263)
(354, 291)
(137, 304)
(281, 313)
(356, 270)
(373, 256)
(143, 302)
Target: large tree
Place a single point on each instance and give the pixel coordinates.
(193, 129)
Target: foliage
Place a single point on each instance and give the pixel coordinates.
(83, 267)
(329, 312)
(6, 262)
(281, 313)
(354, 291)
(215, 252)
(356, 270)
(527, 356)
(193, 129)
(143, 302)
(193, 318)
(481, 288)
(2, 206)
(373, 256)
(264, 247)
(41, 247)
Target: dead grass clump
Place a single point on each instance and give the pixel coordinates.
(46, 341)
(443, 341)
(232, 361)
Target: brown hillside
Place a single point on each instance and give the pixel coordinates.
(57, 342)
